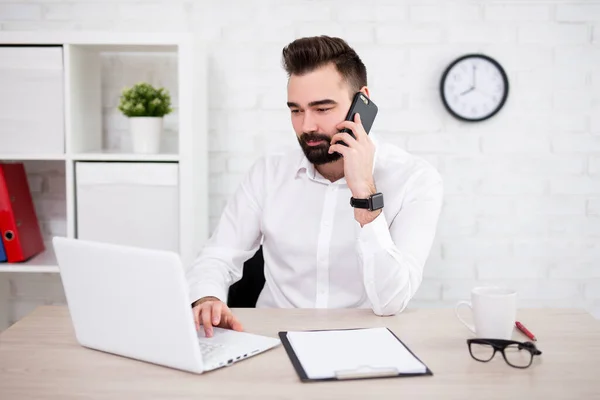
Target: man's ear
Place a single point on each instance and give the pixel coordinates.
(365, 91)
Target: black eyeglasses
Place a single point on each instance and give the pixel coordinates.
(516, 354)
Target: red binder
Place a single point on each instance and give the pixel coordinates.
(19, 225)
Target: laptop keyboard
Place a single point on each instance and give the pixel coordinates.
(208, 348)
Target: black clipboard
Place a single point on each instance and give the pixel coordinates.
(349, 374)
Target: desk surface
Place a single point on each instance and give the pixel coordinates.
(39, 358)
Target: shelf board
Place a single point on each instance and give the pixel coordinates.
(32, 157)
(141, 40)
(43, 262)
(116, 156)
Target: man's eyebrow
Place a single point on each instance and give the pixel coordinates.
(322, 103)
(314, 103)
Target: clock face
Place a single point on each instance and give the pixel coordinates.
(474, 87)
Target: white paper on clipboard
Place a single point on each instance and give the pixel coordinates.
(336, 353)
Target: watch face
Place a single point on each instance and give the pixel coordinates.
(377, 201)
(474, 87)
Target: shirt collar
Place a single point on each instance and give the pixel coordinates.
(305, 166)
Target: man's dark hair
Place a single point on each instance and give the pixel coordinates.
(304, 55)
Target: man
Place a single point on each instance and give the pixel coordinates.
(319, 251)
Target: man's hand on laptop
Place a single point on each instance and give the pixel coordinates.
(210, 311)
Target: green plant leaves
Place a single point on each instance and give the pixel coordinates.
(143, 100)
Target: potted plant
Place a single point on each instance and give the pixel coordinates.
(145, 106)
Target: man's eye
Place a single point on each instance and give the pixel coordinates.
(323, 109)
(295, 111)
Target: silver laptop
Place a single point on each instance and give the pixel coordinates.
(134, 302)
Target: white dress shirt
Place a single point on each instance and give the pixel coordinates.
(316, 254)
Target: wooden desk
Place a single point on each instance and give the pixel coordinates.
(39, 358)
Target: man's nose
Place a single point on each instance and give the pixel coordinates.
(308, 123)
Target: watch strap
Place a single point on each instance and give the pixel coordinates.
(360, 203)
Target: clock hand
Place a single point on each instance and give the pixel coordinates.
(467, 91)
(474, 80)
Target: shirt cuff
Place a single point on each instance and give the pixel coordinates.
(375, 235)
(201, 290)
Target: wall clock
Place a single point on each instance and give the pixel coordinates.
(474, 87)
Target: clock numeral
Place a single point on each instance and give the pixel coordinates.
(495, 98)
(457, 77)
(474, 111)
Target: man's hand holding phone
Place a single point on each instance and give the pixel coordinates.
(358, 156)
(210, 311)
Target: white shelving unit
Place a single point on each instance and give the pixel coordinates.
(82, 105)
(44, 262)
(113, 156)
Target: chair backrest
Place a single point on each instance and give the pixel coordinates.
(244, 293)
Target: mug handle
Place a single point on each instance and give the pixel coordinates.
(467, 304)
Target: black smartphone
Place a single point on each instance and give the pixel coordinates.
(364, 106)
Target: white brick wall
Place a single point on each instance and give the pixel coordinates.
(522, 201)
(513, 13)
(47, 186)
(581, 12)
(17, 12)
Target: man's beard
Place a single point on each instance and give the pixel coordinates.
(319, 154)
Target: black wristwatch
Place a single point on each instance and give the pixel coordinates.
(374, 202)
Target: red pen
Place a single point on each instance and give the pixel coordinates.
(525, 331)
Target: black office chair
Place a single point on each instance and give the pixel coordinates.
(244, 293)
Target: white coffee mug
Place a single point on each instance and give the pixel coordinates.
(494, 312)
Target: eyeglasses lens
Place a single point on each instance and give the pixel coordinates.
(482, 352)
(517, 357)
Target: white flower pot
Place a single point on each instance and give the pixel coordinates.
(145, 134)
